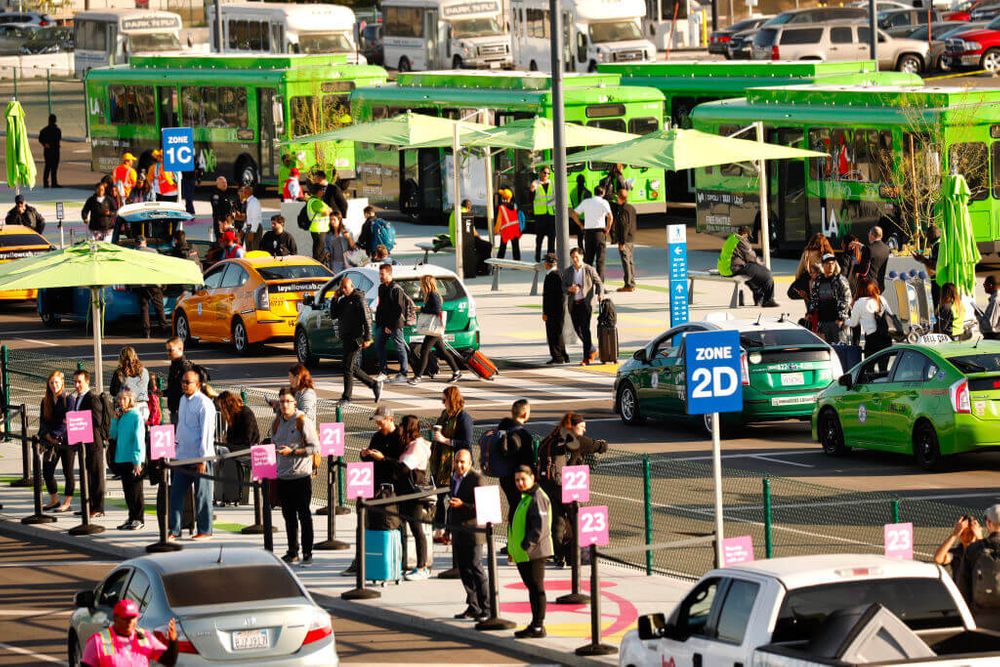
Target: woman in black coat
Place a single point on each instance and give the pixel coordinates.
(241, 424)
(99, 211)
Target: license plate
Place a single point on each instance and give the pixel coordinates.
(792, 400)
(248, 640)
(793, 379)
(495, 65)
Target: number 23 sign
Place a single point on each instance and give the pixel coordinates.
(593, 525)
(899, 540)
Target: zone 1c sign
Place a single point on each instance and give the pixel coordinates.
(712, 366)
(178, 149)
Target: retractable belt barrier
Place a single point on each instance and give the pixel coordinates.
(25, 479)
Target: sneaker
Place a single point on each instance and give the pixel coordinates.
(135, 525)
(530, 632)
(481, 617)
(124, 526)
(468, 613)
(456, 376)
(399, 379)
(593, 357)
(351, 570)
(290, 558)
(415, 380)
(381, 377)
(377, 390)
(553, 362)
(202, 536)
(343, 403)
(307, 560)
(418, 574)
(770, 303)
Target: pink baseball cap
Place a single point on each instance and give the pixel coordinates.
(127, 609)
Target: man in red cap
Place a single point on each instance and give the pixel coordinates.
(126, 645)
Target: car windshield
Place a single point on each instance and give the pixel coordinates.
(614, 31)
(781, 19)
(449, 288)
(49, 35)
(294, 271)
(157, 232)
(228, 585)
(159, 41)
(977, 363)
(743, 25)
(475, 27)
(778, 338)
(325, 42)
(13, 240)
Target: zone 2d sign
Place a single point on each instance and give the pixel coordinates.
(712, 365)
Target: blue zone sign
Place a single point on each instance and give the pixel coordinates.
(712, 372)
(178, 149)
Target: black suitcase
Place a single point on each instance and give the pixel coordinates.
(607, 332)
(233, 485)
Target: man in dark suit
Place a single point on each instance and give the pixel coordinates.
(86, 398)
(467, 546)
(554, 312)
(874, 258)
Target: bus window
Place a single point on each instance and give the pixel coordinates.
(249, 36)
(404, 21)
(820, 168)
(643, 125)
(996, 169)
(616, 124)
(305, 116)
(132, 105)
(233, 107)
(537, 21)
(921, 155)
(680, 110)
(336, 112)
(971, 160)
(191, 106)
(91, 36)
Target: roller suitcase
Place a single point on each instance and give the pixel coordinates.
(849, 355)
(383, 555)
(233, 485)
(479, 363)
(607, 332)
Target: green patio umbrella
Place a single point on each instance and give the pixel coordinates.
(21, 170)
(958, 254)
(537, 134)
(404, 130)
(95, 265)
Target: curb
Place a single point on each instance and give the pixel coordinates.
(530, 652)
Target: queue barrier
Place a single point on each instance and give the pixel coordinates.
(38, 516)
(25, 479)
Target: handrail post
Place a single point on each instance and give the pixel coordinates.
(768, 521)
(5, 379)
(574, 596)
(258, 521)
(359, 592)
(25, 453)
(595, 647)
(266, 518)
(38, 516)
(895, 510)
(85, 527)
(494, 622)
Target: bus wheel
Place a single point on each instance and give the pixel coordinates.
(246, 172)
(456, 62)
(910, 63)
(533, 66)
(404, 64)
(991, 61)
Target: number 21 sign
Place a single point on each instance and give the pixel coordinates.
(331, 439)
(593, 526)
(361, 480)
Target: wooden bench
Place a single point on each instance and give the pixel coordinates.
(738, 282)
(500, 264)
(428, 248)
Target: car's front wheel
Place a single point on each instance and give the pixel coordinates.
(302, 351)
(628, 405)
(831, 434)
(182, 327)
(73, 650)
(49, 319)
(991, 61)
(241, 340)
(926, 449)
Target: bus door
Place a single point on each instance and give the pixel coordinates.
(429, 180)
(168, 106)
(278, 44)
(269, 107)
(787, 195)
(117, 53)
(433, 45)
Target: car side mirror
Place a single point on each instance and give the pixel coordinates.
(84, 599)
(640, 355)
(308, 299)
(846, 380)
(652, 626)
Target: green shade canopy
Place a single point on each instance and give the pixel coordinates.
(674, 150)
(536, 134)
(958, 254)
(21, 170)
(404, 130)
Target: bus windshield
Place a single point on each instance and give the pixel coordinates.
(153, 42)
(475, 27)
(324, 42)
(614, 31)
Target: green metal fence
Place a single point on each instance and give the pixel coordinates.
(652, 498)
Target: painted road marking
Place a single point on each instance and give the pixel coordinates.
(35, 656)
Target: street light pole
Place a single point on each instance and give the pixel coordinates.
(872, 32)
(559, 140)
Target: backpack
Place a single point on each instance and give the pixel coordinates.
(495, 455)
(409, 310)
(107, 415)
(986, 577)
(303, 218)
(552, 458)
(155, 413)
(383, 234)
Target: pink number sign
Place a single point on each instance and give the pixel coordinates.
(331, 439)
(161, 442)
(79, 427)
(361, 480)
(737, 550)
(593, 526)
(899, 540)
(488, 505)
(263, 462)
(576, 484)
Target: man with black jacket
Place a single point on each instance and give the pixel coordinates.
(623, 233)
(86, 398)
(467, 546)
(334, 196)
(390, 318)
(350, 308)
(223, 205)
(520, 452)
(277, 242)
(985, 606)
(179, 365)
(554, 312)
(874, 258)
(23, 214)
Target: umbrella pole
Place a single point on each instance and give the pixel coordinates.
(95, 314)
(489, 196)
(765, 226)
(457, 201)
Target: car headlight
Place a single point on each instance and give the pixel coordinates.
(972, 46)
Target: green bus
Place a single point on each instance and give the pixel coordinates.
(887, 151)
(420, 180)
(686, 84)
(240, 106)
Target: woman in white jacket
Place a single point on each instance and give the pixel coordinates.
(416, 455)
(865, 310)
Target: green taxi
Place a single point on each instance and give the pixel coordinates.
(928, 401)
(784, 366)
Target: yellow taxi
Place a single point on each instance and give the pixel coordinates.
(249, 300)
(18, 242)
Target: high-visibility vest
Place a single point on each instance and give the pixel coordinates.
(725, 263)
(108, 642)
(958, 319)
(124, 178)
(545, 199)
(164, 179)
(508, 226)
(319, 215)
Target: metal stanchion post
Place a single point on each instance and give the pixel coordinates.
(331, 543)
(258, 527)
(359, 592)
(574, 596)
(494, 622)
(36, 468)
(163, 515)
(5, 380)
(85, 527)
(268, 527)
(595, 647)
(25, 454)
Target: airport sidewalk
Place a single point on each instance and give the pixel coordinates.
(426, 605)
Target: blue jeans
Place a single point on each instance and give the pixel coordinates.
(381, 338)
(181, 479)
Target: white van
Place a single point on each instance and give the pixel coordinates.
(279, 27)
(597, 31)
(110, 36)
(442, 34)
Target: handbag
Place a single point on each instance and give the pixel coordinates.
(356, 257)
(429, 324)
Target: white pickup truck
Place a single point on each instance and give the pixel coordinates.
(811, 611)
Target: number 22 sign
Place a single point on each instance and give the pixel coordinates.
(593, 525)
(899, 540)
(576, 484)
(361, 480)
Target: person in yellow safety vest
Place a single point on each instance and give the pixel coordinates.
(163, 182)
(952, 313)
(126, 645)
(124, 177)
(508, 224)
(738, 258)
(543, 208)
(319, 221)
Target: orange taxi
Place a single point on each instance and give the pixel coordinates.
(18, 242)
(249, 300)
